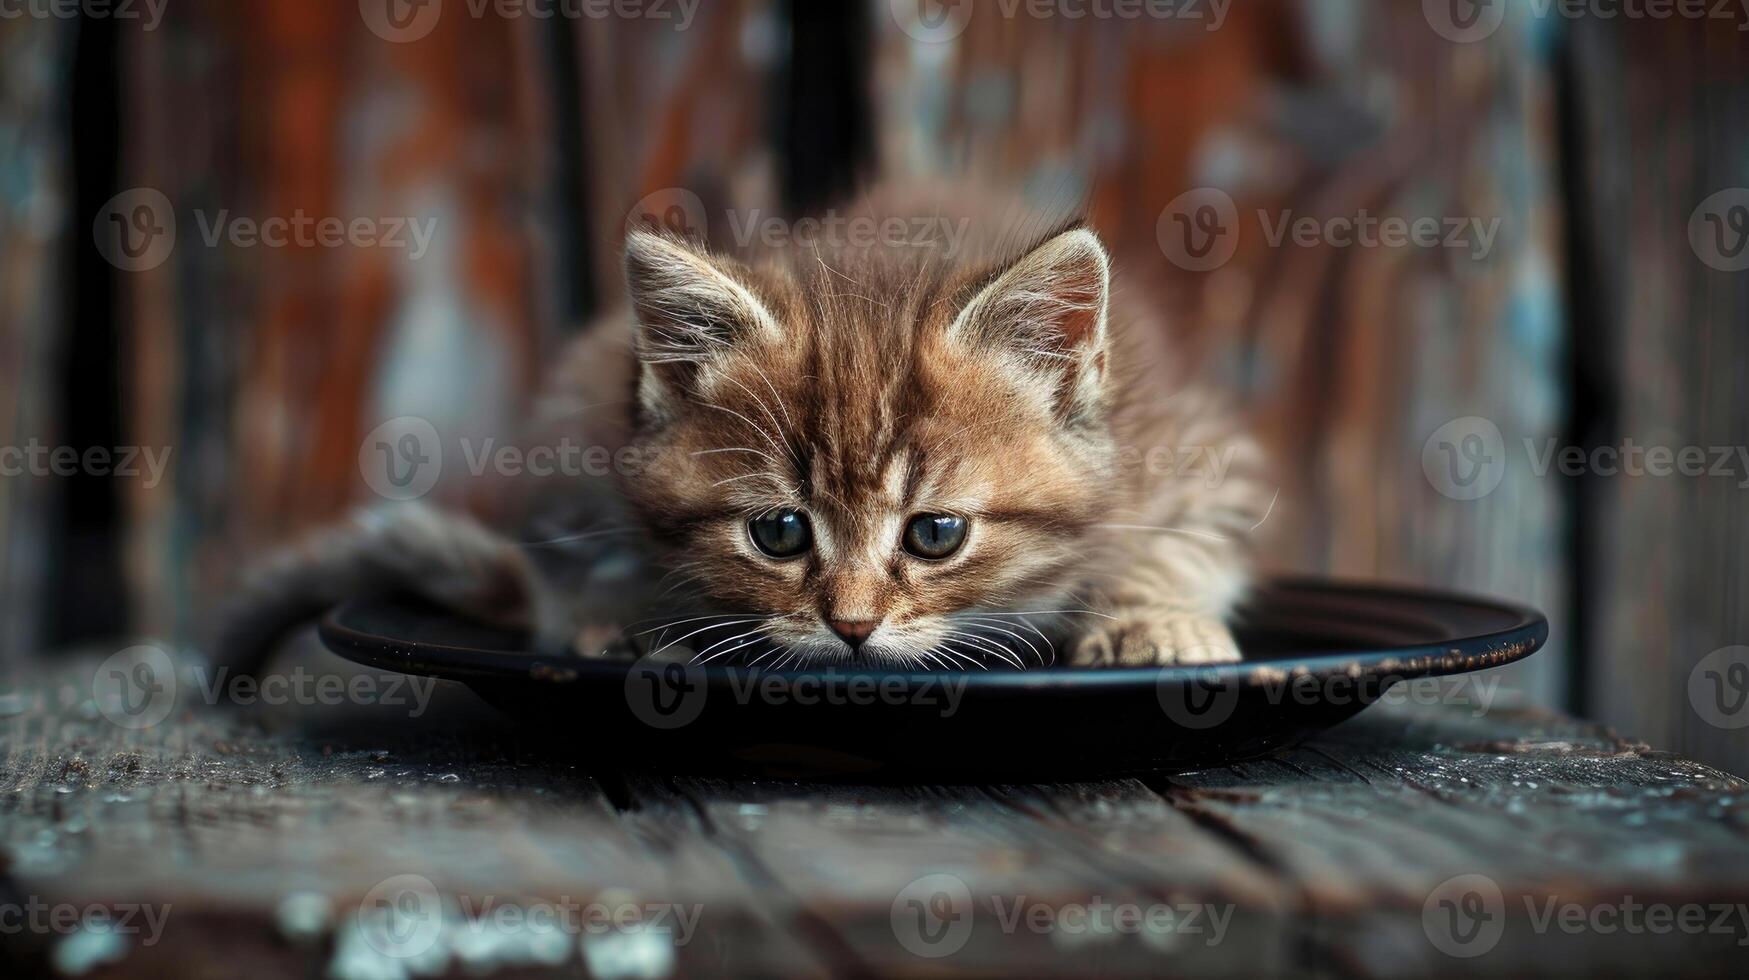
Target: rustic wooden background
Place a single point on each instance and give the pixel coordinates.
(1591, 321)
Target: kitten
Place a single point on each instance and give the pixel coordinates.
(900, 454)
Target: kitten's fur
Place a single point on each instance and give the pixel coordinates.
(1009, 384)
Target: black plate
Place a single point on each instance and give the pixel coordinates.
(1316, 653)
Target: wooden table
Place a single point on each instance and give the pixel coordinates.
(357, 842)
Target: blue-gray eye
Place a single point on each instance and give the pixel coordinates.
(934, 536)
(781, 533)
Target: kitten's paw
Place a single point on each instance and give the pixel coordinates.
(1149, 637)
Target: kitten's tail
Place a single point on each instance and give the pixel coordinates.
(446, 557)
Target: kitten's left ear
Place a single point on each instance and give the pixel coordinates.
(692, 309)
(1047, 312)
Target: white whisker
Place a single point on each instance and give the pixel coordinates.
(702, 629)
(683, 622)
(750, 424)
(974, 661)
(701, 658)
(737, 449)
(567, 538)
(1171, 530)
(774, 395)
(770, 417)
(929, 654)
(995, 649)
(1029, 643)
(749, 476)
(1051, 612)
(1269, 510)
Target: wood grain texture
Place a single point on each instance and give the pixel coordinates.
(1660, 111)
(264, 830)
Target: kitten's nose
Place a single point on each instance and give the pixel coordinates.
(853, 632)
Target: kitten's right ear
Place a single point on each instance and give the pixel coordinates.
(691, 309)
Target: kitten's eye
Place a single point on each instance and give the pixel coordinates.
(934, 535)
(781, 533)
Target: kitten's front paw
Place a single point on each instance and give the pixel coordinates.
(1150, 637)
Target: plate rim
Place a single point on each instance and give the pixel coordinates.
(1527, 633)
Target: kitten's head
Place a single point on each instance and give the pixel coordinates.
(864, 450)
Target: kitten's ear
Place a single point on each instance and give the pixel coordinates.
(1047, 311)
(691, 309)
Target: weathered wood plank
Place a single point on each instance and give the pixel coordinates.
(264, 830)
(896, 873)
(1371, 822)
(214, 818)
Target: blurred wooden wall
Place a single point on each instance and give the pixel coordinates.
(530, 141)
(266, 367)
(1660, 129)
(34, 207)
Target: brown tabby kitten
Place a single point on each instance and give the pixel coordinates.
(902, 455)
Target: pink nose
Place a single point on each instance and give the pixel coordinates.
(853, 632)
